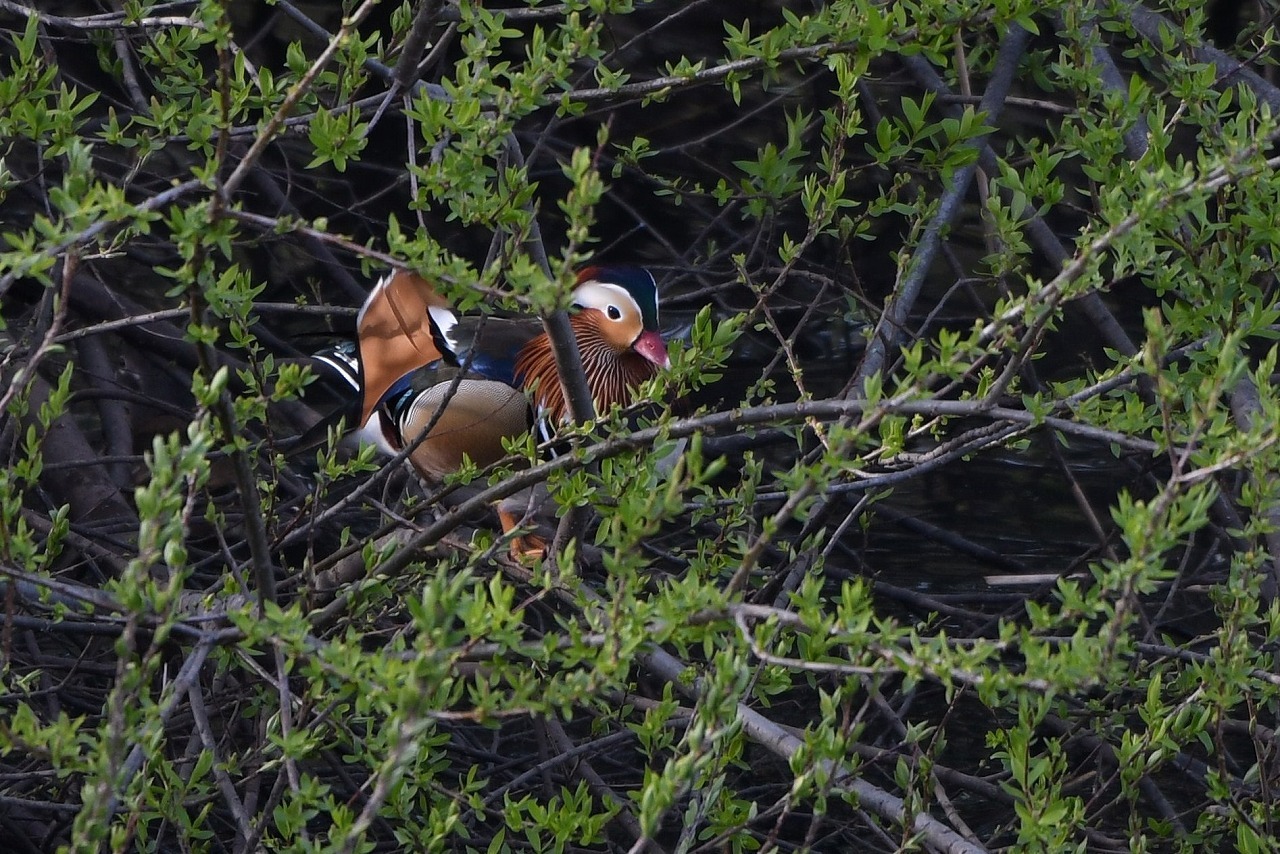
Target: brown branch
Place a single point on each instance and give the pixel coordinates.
(784, 745)
(183, 682)
(200, 718)
(105, 21)
(601, 789)
(114, 414)
(891, 325)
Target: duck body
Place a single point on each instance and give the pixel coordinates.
(454, 388)
(464, 414)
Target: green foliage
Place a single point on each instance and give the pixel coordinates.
(214, 640)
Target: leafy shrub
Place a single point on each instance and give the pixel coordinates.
(955, 528)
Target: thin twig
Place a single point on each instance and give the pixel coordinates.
(250, 159)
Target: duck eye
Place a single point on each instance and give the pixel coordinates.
(614, 312)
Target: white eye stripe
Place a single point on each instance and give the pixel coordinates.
(603, 296)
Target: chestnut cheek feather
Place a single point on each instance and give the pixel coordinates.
(612, 375)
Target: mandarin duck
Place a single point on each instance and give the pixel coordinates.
(470, 382)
